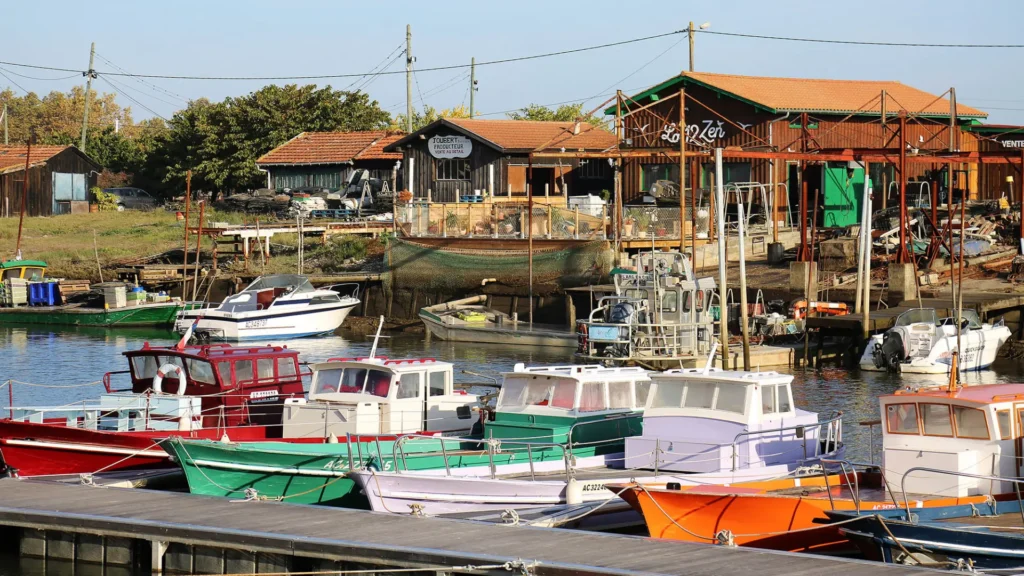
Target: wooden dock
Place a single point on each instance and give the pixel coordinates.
(195, 534)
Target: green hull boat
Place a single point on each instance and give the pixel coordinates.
(158, 314)
(305, 473)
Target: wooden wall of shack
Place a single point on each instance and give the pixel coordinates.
(40, 183)
(751, 127)
(510, 172)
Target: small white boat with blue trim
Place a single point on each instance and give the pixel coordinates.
(274, 306)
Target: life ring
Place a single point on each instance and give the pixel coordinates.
(165, 371)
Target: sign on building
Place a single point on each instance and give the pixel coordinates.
(450, 146)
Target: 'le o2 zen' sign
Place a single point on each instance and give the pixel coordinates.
(450, 146)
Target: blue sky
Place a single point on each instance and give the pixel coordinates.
(262, 38)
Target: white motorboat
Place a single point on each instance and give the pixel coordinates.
(275, 306)
(920, 343)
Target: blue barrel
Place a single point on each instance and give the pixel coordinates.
(35, 294)
(50, 293)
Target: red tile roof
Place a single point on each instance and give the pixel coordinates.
(831, 96)
(531, 135)
(333, 148)
(12, 158)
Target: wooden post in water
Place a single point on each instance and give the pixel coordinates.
(24, 197)
(723, 316)
(743, 288)
(184, 261)
(529, 230)
(682, 169)
(199, 242)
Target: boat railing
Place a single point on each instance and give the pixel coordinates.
(107, 381)
(833, 436)
(906, 501)
(358, 438)
(605, 420)
(354, 288)
(492, 445)
(871, 437)
(659, 339)
(847, 469)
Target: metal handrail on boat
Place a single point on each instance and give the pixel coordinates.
(906, 501)
(834, 435)
(399, 449)
(610, 418)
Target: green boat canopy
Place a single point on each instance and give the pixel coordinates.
(22, 263)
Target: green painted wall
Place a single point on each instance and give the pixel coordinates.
(843, 194)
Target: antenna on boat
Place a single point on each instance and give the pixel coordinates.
(376, 338)
(711, 357)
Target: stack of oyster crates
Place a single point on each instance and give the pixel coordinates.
(14, 292)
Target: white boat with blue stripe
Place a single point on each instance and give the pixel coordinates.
(273, 307)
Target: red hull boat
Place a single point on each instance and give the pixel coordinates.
(238, 391)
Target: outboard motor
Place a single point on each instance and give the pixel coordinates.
(621, 313)
(891, 352)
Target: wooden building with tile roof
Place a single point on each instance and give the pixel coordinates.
(453, 159)
(59, 179)
(325, 160)
(765, 114)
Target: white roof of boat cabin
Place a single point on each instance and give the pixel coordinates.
(398, 365)
(589, 372)
(720, 375)
(982, 394)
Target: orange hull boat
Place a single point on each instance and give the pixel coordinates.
(785, 514)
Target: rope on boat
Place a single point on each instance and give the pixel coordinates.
(11, 382)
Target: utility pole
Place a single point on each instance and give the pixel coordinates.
(408, 78)
(690, 34)
(5, 125)
(472, 84)
(88, 88)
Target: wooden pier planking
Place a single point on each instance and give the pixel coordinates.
(353, 535)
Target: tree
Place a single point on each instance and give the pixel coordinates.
(58, 114)
(564, 113)
(429, 116)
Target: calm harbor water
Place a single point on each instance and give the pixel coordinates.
(61, 359)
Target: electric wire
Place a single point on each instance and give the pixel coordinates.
(855, 42)
(11, 80)
(379, 64)
(146, 94)
(357, 75)
(128, 96)
(144, 82)
(42, 79)
(370, 80)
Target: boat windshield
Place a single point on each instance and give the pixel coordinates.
(918, 316)
(353, 380)
(520, 392)
(198, 371)
(971, 316)
(726, 397)
(290, 282)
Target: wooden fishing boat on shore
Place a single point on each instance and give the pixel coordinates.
(938, 445)
(141, 315)
(470, 320)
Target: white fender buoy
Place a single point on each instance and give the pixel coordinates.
(573, 492)
(332, 439)
(166, 370)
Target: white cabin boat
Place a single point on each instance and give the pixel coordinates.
(275, 306)
(920, 343)
(367, 396)
(700, 427)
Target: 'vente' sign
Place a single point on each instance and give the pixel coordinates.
(450, 146)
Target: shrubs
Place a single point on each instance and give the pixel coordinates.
(106, 201)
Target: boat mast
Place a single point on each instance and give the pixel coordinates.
(376, 338)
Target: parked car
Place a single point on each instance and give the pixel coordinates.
(133, 199)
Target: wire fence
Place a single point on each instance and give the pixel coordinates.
(502, 220)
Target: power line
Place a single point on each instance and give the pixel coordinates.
(145, 83)
(128, 96)
(146, 94)
(371, 79)
(11, 80)
(330, 76)
(43, 79)
(857, 42)
(381, 63)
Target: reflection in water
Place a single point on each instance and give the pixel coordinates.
(40, 355)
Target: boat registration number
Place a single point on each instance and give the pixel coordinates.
(255, 323)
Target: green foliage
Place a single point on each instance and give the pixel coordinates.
(451, 221)
(107, 202)
(332, 256)
(564, 113)
(428, 116)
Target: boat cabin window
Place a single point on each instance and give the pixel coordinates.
(592, 397)
(935, 420)
(970, 423)
(201, 371)
(643, 390)
(706, 395)
(518, 392)
(670, 301)
(265, 368)
(286, 367)
(243, 372)
(325, 299)
(352, 380)
(775, 399)
(409, 385)
(1005, 429)
(620, 395)
(146, 366)
(564, 394)
(224, 370)
(436, 383)
(901, 419)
